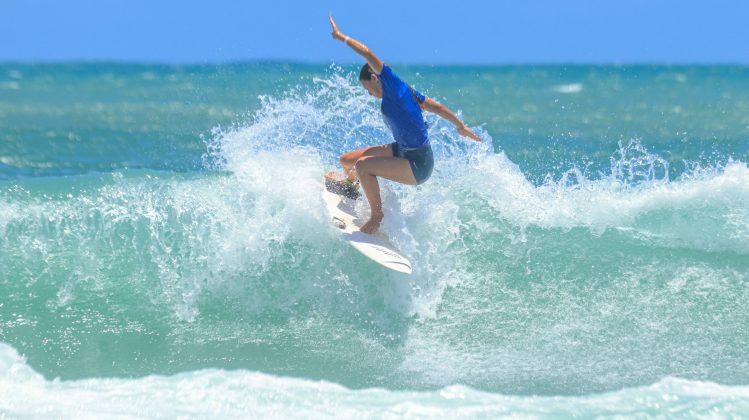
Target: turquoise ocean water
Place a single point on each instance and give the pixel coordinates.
(164, 249)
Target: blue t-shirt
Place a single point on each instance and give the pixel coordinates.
(401, 112)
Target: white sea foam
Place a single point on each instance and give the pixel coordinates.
(241, 394)
(569, 88)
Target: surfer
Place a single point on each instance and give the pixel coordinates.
(409, 159)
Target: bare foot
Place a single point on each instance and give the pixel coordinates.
(337, 177)
(334, 176)
(373, 224)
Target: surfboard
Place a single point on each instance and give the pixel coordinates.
(342, 212)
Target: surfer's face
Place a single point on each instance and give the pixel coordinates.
(373, 86)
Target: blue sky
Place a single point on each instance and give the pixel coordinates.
(465, 31)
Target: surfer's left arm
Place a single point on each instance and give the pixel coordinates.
(433, 106)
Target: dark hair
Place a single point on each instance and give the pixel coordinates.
(366, 72)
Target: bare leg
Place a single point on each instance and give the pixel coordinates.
(348, 160)
(368, 169)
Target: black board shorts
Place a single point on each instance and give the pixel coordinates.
(421, 160)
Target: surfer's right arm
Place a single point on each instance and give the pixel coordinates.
(359, 48)
(433, 106)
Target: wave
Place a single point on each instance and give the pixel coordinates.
(242, 393)
(622, 277)
(703, 210)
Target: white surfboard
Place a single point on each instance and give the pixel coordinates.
(343, 214)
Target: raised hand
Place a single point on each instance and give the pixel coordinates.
(336, 33)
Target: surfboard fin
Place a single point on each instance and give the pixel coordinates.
(339, 223)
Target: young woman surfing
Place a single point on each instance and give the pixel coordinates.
(409, 159)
